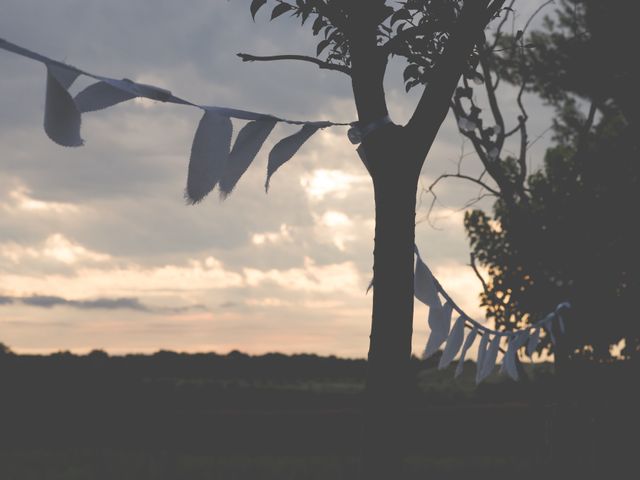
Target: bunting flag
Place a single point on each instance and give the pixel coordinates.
(428, 290)
(213, 162)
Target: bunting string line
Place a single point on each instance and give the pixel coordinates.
(213, 161)
(428, 289)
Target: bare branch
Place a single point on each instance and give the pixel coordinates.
(521, 106)
(303, 58)
(464, 177)
(534, 14)
(501, 26)
(524, 138)
(493, 101)
(474, 266)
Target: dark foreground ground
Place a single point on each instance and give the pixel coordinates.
(171, 416)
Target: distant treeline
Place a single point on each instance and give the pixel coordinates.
(169, 364)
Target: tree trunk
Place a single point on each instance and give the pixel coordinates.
(395, 179)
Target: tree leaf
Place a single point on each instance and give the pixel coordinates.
(61, 115)
(317, 25)
(244, 151)
(409, 85)
(401, 14)
(322, 45)
(287, 148)
(280, 9)
(209, 155)
(412, 71)
(255, 6)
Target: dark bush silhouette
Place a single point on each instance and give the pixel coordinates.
(569, 237)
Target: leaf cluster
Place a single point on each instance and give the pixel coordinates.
(414, 29)
(570, 241)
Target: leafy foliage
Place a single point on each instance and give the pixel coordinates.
(571, 241)
(565, 237)
(414, 29)
(579, 52)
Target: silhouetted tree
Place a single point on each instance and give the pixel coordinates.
(438, 38)
(572, 241)
(564, 235)
(581, 53)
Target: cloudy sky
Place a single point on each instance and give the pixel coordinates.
(97, 246)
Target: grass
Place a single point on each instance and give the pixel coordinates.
(131, 465)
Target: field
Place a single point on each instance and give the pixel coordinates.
(172, 416)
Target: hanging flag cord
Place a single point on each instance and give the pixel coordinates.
(428, 290)
(215, 162)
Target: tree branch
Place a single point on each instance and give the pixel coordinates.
(464, 177)
(303, 58)
(493, 101)
(434, 103)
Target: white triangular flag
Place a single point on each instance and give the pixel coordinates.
(61, 115)
(209, 155)
(482, 353)
(511, 358)
(439, 323)
(533, 342)
(245, 149)
(548, 326)
(143, 90)
(561, 324)
(101, 95)
(424, 285)
(454, 342)
(490, 358)
(467, 344)
(508, 361)
(287, 148)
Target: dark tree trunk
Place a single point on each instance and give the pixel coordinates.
(394, 156)
(395, 179)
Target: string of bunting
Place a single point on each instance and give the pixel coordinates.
(428, 290)
(213, 162)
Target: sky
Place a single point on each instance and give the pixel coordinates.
(98, 248)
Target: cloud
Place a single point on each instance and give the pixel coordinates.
(342, 277)
(321, 183)
(124, 303)
(108, 221)
(337, 226)
(6, 300)
(196, 276)
(463, 286)
(283, 235)
(56, 247)
(46, 301)
(20, 199)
